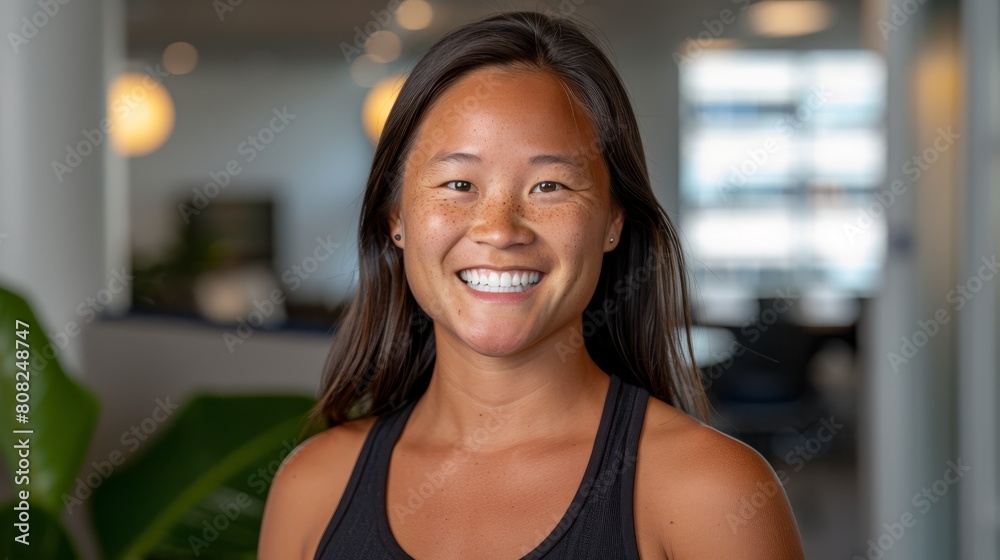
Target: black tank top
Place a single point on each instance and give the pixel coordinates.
(597, 525)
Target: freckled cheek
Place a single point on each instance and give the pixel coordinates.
(570, 229)
(433, 228)
(571, 232)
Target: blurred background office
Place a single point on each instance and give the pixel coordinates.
(182, 180)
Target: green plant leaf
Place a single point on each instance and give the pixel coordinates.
(199, 490)
(46, 536)
(61, 413)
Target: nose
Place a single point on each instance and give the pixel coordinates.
(500, 221)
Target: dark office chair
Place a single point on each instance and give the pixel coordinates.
(766, 389)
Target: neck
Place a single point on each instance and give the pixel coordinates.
(543, 391)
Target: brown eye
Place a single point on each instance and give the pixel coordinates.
(551, 185)
(460, 186)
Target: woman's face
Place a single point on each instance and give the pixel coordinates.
(505, 173)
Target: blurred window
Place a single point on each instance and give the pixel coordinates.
(782, 156)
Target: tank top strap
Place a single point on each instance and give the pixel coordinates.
(637, 398)
(602, 509)
(624, 426)
(361, 475)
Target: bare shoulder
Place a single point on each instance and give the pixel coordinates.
(708, 495)
(307, 489)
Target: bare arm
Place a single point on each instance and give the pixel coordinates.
(735, 506)
(306, 491)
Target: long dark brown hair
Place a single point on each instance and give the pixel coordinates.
(636, 326)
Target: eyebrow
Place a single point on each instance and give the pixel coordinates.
(540, 159)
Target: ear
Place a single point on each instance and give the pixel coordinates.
(614, 229)
(396, 228)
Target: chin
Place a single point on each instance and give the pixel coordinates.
(496, 342)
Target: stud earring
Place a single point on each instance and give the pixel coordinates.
(612, 239)
(398, 237)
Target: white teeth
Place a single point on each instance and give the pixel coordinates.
(485, 280)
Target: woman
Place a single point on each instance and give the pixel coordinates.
(513, 346)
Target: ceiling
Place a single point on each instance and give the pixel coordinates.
(321, 27)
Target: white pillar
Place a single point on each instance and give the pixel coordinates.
(907, 410)
(978, 360)
(53, 65)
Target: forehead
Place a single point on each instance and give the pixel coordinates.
(511, 112)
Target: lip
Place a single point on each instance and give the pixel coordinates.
(501, 297)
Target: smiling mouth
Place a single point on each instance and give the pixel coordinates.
(483, 280)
